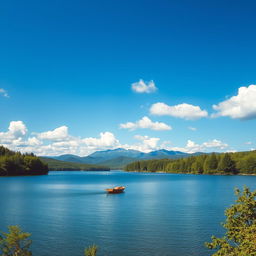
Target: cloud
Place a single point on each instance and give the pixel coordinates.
(54, 142)
(144, 87)
(59, 141)
(148, 141)
(59, 133)
(146, 123)
(209, 146)
(33, 141)
(241, 106)
(145, 144)
(4, 93)
(106, 140)
(16, 130)
(215, 144)
(192, 128)
(184, 110)
(248, 143)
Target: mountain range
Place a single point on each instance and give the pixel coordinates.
(118, 158)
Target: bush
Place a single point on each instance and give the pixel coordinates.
(91, 250)
(240, 237)
(15, 243)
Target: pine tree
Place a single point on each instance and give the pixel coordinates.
(15, 243)
(227, 164)
(197, 167)
(211, 163)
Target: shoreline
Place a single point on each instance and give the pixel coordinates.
(213, 174)
(157, 172)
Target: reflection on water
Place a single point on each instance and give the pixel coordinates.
(159, 214)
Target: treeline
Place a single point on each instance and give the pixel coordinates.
(57, 165)
(224, 163)
(17, 164)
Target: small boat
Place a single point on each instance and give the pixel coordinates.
(115, 190)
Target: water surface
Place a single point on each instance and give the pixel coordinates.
(159, 214)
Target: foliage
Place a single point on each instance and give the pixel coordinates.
(224, 163)
(15, 163)
(57, 165)
(240, 237)
(15, 243)
(210, 163)
(91, 250)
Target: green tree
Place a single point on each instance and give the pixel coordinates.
(15, 243)
(229, 163)
(197, 167)
(240, 237)
(14, 164)
(248, 164)
(226, 164)
(91, 250)
(211, 163)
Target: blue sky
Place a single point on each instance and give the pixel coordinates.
(70, 66)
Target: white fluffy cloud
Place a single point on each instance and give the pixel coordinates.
(58, 141)
(241, 106)
(184, 110)
(106, 140)
(76, 145)
(209, 146)
(4, 93)
(33, 141)
(146, 123)
(54, 142)
(215, 144)
(144, 87)
(150, 142)
(145, 144)
(16, 130)
(59, 133)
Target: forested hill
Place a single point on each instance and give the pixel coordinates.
(57, 165)
(17, 164)
(224, 163)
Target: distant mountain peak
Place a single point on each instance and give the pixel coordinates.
(121, 156)
(117, 150)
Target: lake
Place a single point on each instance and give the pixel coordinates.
(159, 214)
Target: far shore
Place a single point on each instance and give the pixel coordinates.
(158, 172)
(78, 170)
(209, 174)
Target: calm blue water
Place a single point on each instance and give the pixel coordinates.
(159, 214)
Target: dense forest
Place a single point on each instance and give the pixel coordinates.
(15, 164)
(57, 165)
(224, 163)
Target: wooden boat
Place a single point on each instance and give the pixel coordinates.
(115, 190)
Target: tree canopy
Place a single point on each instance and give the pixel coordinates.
(14, 164)
(240, 225)
(57, 165)
(15, 243)
(224, 163)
